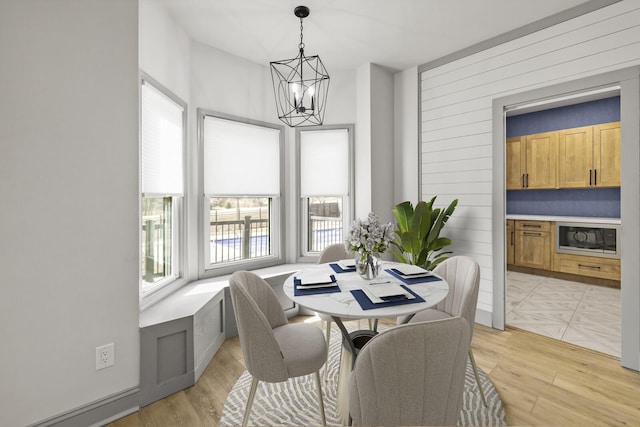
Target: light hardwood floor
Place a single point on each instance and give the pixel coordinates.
(542, 382)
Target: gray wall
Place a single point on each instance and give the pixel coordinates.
(69, 216)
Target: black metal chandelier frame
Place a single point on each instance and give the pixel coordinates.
(300, 85)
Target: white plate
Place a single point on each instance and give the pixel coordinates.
(315, 279)
(347, 264)
(411, 270)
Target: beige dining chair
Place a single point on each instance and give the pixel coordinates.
(274, 350)
(462, 273)
(411, 375)
(332, 253)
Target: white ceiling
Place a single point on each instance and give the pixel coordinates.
(397, 34)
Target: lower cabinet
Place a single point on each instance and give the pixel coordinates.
(604, 268)
(533, 244)
(511, 242)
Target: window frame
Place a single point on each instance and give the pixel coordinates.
(277, 214)
(348, 200)
(151, 293)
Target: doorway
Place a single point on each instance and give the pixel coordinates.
(628, 83)
(569, 293)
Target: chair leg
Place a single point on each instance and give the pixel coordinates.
(328, 338)
(475, 373)
(252, 394)
(320, 399)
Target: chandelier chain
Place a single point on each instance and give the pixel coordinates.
(301, 45)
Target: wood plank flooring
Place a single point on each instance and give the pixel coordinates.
(542, 382)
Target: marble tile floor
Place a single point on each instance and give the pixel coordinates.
(578, 313)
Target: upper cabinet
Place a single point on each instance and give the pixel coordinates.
(581, 157)
(531, 161)
(606, 155)
(589, 156)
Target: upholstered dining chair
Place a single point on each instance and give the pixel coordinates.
(332, 253)
(462, 273)
(411, 375)
(274, 350)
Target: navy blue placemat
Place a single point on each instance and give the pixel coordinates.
(366, 303)
(412, 280)
(338, 269)
(302, 291)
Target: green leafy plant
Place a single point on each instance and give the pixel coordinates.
(417, 236)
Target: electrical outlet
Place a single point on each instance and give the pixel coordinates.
(105, 356)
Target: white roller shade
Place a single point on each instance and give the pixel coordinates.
(162, 140)
(324, 163)
(240, 159)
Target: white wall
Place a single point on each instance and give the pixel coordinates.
(69, 217)
(406, 137)
(456, 107)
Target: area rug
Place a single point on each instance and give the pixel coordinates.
(294, 402)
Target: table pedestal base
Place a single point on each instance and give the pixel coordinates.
(347, 359)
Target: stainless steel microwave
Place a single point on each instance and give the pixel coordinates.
(602, 240)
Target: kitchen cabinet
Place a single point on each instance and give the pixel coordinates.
(532, 246)
(511, 242)
(606, 155)
(589, 156)
(531, 161)
(605, 268)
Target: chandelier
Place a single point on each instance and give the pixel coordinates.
(300, 85)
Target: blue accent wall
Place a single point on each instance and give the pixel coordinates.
(589, 202)
(572, 116)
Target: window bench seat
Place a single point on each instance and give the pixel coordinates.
(180, 334)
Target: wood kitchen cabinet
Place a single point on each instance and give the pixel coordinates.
(589, 156)
(605, 268)
(511, 242)
(532, 246)
(531, 161)
(606, 155)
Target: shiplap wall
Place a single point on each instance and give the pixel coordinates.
(456, 114)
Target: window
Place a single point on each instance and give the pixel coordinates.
(162, 146)
(326, 185)
(242, 181)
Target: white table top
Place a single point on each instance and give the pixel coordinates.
(342, 304)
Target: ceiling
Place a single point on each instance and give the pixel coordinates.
(397, 34)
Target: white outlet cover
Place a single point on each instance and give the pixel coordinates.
(105, 356)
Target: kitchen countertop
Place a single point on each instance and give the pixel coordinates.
(593, 220)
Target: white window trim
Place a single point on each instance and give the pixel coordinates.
(278, 214)
(152, 294)
(348, 202)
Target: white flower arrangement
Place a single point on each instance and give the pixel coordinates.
(369, 236)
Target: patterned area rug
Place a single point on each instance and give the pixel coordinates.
(294, 403)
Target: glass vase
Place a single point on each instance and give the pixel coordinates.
(368, 265)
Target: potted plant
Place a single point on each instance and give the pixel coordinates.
(417, 236)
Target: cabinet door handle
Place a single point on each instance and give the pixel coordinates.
(529, 233)
(595, 177)
(532, 225)
(513, 238)
(527, 179)
(590, 177)
(594, 267)
(523, 181)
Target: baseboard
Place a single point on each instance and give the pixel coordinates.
(97, 413)
(484, 317)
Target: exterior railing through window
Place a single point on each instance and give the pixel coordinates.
(324, 231)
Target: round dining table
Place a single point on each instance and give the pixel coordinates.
(346, 303)
(347, 296)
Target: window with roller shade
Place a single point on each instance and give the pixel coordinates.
(162, 183)
(326, 185)
(242, 185)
